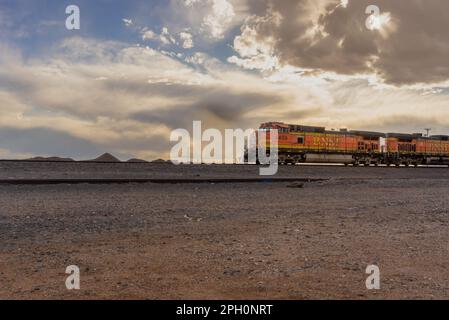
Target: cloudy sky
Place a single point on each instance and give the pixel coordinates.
(138, 69)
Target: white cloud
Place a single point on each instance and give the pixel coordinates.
(255, 52)
(127, 22)
(187, 40)
(149, 35)
(216, 16)
(190, 3)
(198, 58)
(260, 62)
(164, 37)
(220, 18)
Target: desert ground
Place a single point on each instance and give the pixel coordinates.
(267, 240)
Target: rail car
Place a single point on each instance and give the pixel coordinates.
(309, 144)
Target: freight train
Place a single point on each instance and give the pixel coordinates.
(309, 144)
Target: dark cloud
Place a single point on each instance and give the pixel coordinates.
(413, 48)
(214, 107)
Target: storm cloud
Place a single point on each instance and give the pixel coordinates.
(411, 46)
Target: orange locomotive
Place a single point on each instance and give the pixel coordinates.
(299, 143)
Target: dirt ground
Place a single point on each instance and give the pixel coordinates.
(225, 241)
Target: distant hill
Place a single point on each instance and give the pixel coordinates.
(137, 161)
(106, 157)
(161, 161)
(52, 159)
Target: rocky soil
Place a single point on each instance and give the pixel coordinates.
(224, 241)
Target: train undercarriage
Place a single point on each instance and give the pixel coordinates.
(361, 159)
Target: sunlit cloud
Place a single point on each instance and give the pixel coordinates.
(378, 22)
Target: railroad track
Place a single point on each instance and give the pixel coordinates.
(156, 180)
